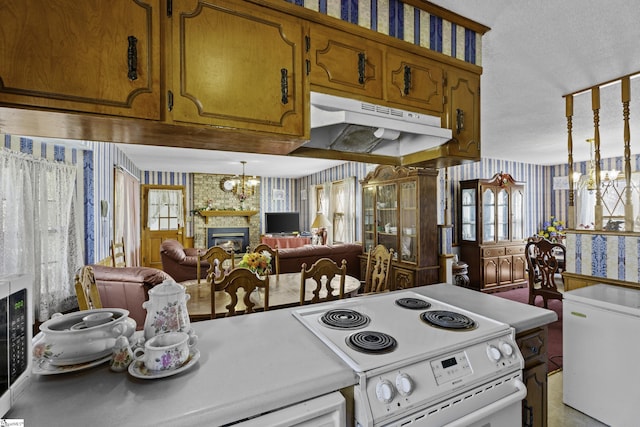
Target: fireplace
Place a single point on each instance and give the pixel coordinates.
(234, 238)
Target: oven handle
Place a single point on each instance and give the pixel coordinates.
(492, 408)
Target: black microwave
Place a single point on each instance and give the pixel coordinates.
(16, 330)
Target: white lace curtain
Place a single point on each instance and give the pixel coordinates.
(41, 228)
(127, 215)
(169, 205)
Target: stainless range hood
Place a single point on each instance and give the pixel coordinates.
(352, 126)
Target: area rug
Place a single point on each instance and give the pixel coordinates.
(554, 338)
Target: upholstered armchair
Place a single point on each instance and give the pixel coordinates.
(182, 263)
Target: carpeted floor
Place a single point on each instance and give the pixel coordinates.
(554, 339)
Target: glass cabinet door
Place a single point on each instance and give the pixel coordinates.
(503, 215)
(488, 216)
(368, 217)
(386, 214)
(408, 221)
(469, 214)
(517, 227)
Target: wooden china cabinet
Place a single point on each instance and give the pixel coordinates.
(400, 212)
(492, 232)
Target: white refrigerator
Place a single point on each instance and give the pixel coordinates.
(601, 352)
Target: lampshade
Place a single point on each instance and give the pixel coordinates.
(320, 221)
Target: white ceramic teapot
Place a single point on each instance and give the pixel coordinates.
(166, 309)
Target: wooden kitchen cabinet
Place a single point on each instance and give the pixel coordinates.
(343, 63)
(462, 112)
(238, 65)
(414, 82)
(533, 346)
(88, 56)
(399, 213)
(492, 232)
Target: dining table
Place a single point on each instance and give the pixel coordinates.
(284, 291)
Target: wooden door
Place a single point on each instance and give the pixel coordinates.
(237, 65)
(92, 56)
(414, 82)
(345, 63)
(160, 223)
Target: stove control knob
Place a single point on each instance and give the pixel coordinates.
(493, 353)
(506, 348)
(404, 384)
(385, 391)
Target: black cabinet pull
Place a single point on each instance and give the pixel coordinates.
(284, 86)
(361, 67)
(527, 414)
(132, 58)
(407, 79)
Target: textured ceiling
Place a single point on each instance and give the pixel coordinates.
(536, 52)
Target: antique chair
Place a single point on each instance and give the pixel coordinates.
(378, 270)
(543, 265)
(86, 289)
(275, 257)
(118, 257)
(323, 271)
(219, 259)
(234, 280)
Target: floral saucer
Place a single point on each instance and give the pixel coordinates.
(138, 370)
(44, 367)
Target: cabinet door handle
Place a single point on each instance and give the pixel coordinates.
(407, 79)
(284, 86)
(527, 415)
(361, 67)
(132, 58)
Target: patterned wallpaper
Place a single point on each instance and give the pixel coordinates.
(405, 22)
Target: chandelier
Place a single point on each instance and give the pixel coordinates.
(244, 187)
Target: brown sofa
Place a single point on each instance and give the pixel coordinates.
(291, 259)
(181, 263)
(127, 287)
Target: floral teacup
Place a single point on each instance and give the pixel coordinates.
(166, 351)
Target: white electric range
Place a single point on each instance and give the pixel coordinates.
(422, 361)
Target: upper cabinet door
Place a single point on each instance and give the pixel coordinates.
(91, 56)
(346, 63)
(237, 65)
(413, 81)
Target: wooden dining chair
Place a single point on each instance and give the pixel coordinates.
(118, 254)
(543, 264)
(231, 283)
(378, 271)
(219, 259)
(275, 258)
(323, 271)
(86, 289)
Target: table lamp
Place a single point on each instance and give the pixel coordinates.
(321, 223)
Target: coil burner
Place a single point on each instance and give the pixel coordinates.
(413, 303)
(371, 342)
(448, 320)
(345, 319)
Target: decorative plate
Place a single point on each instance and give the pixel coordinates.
(43, 367)
(138, 370)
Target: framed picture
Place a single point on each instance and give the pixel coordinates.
(278, 194)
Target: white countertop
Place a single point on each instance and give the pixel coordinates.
(248, 365)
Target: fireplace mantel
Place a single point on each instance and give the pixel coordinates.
(207, 214)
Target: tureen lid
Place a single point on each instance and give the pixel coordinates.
(168, 287)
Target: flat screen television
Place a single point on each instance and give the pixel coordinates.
(281, 222)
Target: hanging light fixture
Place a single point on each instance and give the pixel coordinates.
(244, 187)
(591, 168)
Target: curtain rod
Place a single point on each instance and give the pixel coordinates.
(123, 169)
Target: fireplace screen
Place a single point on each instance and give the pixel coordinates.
(236, 239)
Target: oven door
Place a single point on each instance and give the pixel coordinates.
(496, 404)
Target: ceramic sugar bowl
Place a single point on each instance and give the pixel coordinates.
(166, 309)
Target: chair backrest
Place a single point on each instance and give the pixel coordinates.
(232, 282)
(220, 259)
(86, 289)
(543, 263)
(275, 257)
(118, 256)
(378, 269)
(323, 272)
